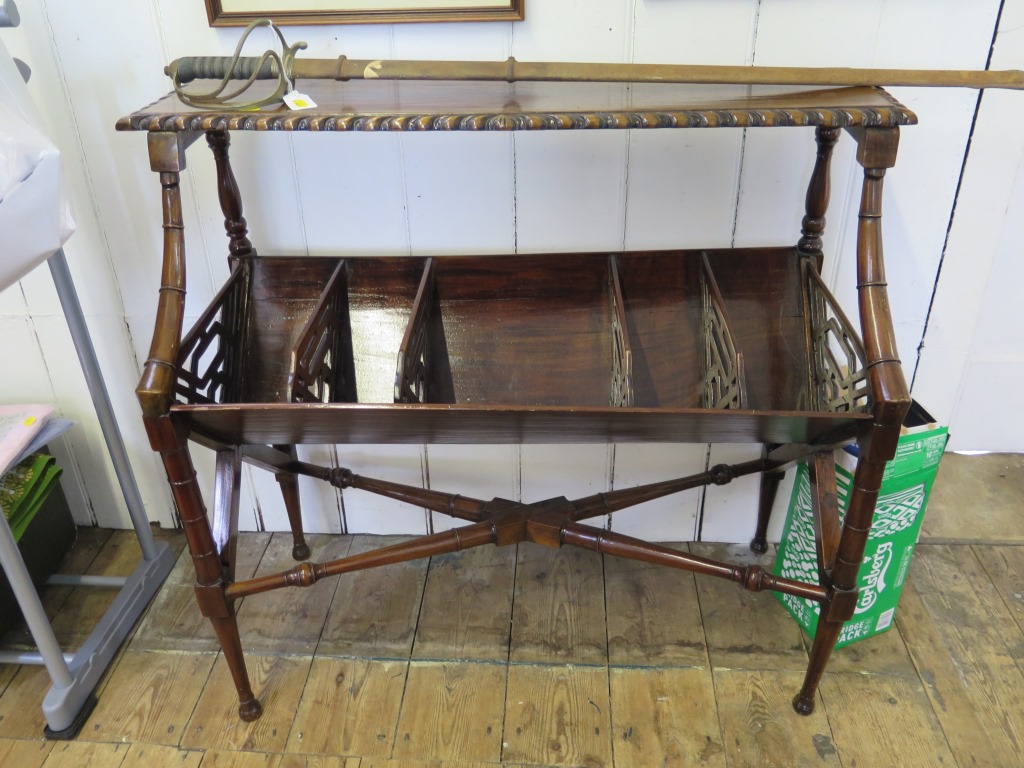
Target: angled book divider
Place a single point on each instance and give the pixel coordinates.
(423, 354)
(724, 382)
(322, 369)
(622, 353)
(839, 381)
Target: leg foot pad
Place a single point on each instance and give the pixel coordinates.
(72, 730)
(758, 545)
(250, 710)
(804, 705)
(300, 551)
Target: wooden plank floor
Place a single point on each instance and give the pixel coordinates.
(526, 656)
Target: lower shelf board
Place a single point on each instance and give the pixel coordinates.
(259, 423)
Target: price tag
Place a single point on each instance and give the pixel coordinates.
(296, 101)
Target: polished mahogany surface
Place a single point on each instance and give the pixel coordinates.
(521, 350)
(438, 423)
(370, 105)
(729, 345)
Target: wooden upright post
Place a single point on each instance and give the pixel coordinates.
(876, 152)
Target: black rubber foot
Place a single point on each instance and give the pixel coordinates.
(300, 551)
(803, 705)
(250, 710)
(758, 546)
(76, 725)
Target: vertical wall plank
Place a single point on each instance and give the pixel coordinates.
(573, 471)
(969, 347)
(673, 518)
(479, 471)
(368, 513)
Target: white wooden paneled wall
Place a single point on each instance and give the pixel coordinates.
(528, 192)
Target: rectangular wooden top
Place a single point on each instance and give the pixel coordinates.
(377, 105)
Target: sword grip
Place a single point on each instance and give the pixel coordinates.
(216, 67)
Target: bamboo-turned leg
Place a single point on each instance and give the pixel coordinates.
(209, 586)
(156, 393)
(816, 203)
(765, 501)
(891, 398)
(289, 483)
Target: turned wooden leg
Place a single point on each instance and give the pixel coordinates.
(891, 398)
(209, 586)
(816, 203)
(230, 198)
(226, 627)
(290, 491)
(841, 600)
(766, 500)
(825, 638)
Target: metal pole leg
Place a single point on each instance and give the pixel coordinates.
(31, 607)
(101, 400)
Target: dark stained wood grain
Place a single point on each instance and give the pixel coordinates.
(173, 621)
(447, 106)
(260, 618)
(419, 424)
(767, 638)
(670, 346)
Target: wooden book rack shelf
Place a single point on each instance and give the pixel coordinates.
(733, 345)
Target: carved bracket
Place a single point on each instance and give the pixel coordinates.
(622, 355)
(839, 381)
(411, 377)
(208, 361)
(322, 367)
(724, 382)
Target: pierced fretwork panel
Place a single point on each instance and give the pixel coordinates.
(622, 355)
(208, 358)
(724, 383)
(839, 377)
(411, 377)
(321, 367)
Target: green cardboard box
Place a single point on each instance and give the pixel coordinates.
(906, 486)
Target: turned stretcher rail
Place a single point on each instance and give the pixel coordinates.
(752, 577)
(307, 574)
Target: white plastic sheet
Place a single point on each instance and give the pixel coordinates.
(35, 212)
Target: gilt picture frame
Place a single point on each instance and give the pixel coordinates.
(231, 13)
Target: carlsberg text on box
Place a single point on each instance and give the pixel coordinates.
(906, 485)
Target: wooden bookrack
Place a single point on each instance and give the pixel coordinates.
(727, 345)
